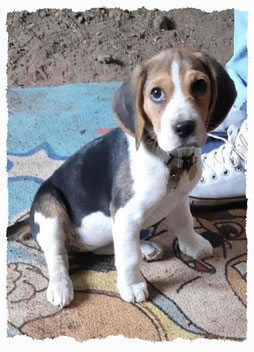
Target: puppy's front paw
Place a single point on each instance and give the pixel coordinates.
(133, 293)
(197, 247)
(60, 290)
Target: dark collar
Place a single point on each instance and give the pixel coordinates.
(176, 165)
(184, 163)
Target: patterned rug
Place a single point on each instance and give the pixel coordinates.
(188, 299)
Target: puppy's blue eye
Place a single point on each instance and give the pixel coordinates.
(157, 95)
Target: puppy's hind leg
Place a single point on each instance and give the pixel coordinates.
(151, 250)
(51, 237)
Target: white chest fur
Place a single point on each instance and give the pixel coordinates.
(150, 178)
(152, 198)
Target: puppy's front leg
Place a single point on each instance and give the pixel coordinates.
(130, 283)
(181, 222)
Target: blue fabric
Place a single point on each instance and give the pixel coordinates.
(66, 117)
(55, 121)
(211, 145)
(237, 67)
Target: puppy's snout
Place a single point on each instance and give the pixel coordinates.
(184, 129)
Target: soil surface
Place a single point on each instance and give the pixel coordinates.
(52, 47)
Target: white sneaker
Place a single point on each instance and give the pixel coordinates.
(223, 178)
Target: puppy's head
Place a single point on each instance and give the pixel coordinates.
(177, 97)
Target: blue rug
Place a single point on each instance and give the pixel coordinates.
(45, 126)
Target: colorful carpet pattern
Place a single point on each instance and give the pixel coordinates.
(188, 299)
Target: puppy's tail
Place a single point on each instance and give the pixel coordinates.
(19, 228)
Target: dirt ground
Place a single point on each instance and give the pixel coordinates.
(52, 47)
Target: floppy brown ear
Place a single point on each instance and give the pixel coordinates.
(223, 91)
(128, 105)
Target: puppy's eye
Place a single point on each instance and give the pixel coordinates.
(198, 87)
(157, 95)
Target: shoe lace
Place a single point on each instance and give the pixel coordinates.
(226, 152)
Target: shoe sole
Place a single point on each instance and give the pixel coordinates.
(213, 202)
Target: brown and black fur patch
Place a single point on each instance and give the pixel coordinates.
(122, 187)
(95, 178)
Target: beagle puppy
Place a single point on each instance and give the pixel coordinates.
(142, 171)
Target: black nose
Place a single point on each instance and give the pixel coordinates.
(185, 128)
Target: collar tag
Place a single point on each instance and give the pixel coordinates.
(175, 175)
(177, 167)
